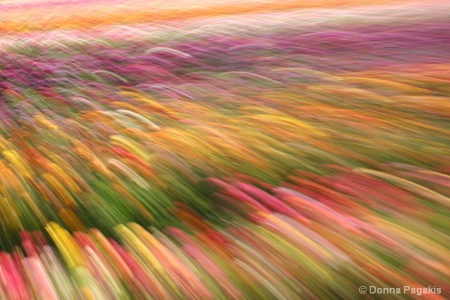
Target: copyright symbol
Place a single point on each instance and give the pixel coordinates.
(362, 290)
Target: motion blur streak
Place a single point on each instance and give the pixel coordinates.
(224, 149)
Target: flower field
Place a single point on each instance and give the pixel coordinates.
(280, 152)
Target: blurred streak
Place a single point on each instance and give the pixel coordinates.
(239, 150)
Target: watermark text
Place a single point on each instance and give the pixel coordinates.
(405, 290)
